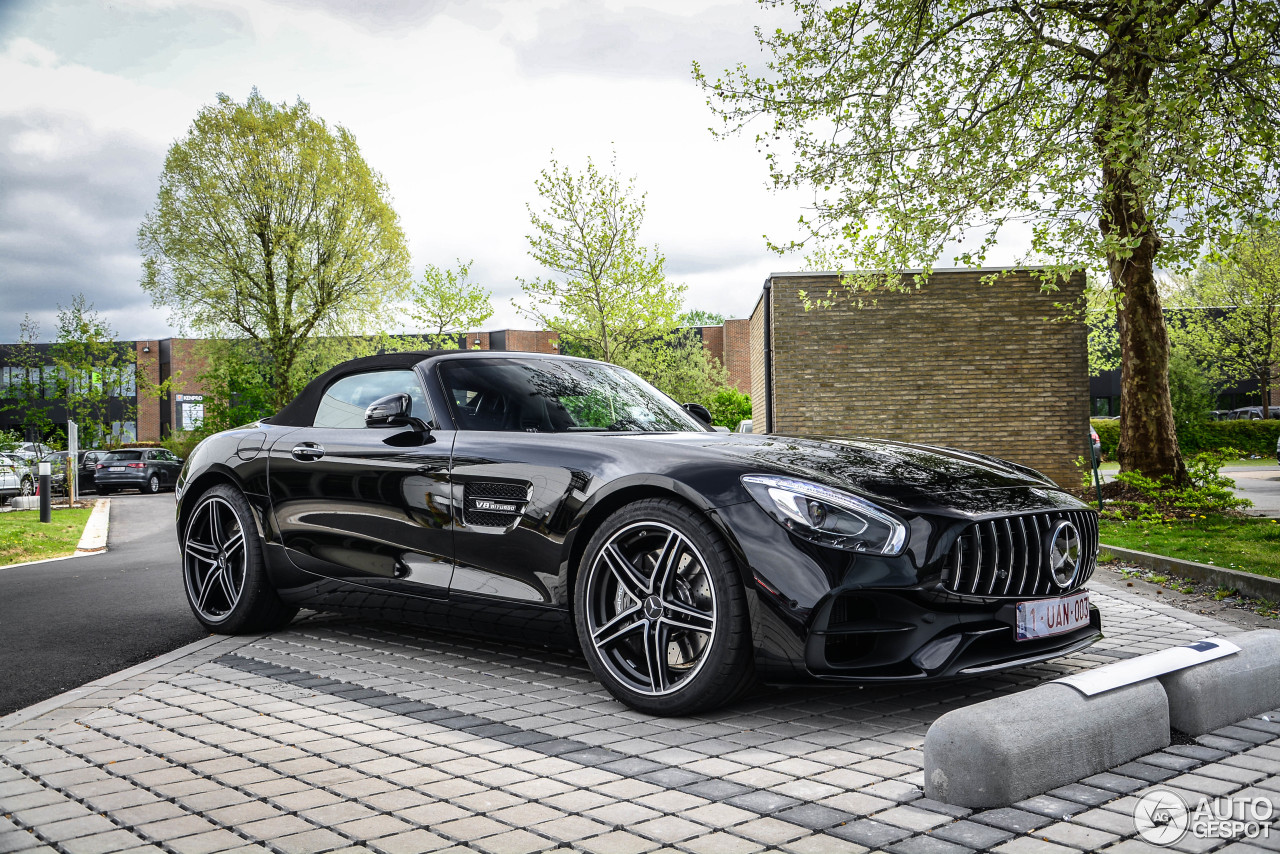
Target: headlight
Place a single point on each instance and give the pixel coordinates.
(828, 517)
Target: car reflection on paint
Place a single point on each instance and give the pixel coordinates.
(559, 500)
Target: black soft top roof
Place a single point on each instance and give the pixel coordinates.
(301, 411)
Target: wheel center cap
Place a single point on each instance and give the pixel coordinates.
(653, 607)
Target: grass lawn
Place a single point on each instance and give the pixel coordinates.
(24, 538)
(1261, 462)
(1249, 545)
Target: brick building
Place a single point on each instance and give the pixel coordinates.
(186, 358)
(988, 368)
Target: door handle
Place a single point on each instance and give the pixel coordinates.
(307, 452)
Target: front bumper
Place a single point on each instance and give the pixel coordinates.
(874, 635)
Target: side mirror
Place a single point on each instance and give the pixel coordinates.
(697, 410)
(390, 411)
(394, 410)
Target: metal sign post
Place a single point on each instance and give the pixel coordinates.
(46, 486)
(73, 462)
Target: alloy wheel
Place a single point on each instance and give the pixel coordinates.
(214, 559)
(651, 608)
(27, 487)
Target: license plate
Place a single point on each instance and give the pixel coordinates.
(115, 468)
(1048, 617)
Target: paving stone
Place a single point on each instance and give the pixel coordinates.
(1028, 845)
(721, 842)
(618, 842)
(972, 834)
(1051, 806)
(927, 845)
(1078, 836)
(912, 818)
(1015, 820)
(411, 842)
(870, 833)
(100, 843)
(814, 816)
(823, 844)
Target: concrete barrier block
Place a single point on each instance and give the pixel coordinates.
(994, 753)
(1227, 690)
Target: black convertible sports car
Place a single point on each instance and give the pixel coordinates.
(563, 500)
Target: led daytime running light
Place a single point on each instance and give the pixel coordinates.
(852, 503)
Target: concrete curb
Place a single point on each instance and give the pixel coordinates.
(1257, 586)
(1001, 751)
(1227, 690)
(94, 538)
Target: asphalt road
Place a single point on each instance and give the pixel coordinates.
(68, 622)
(1259, 484)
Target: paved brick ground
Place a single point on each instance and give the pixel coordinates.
(337, 735)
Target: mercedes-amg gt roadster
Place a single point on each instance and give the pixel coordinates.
(557, 500)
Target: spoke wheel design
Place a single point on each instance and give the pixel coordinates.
(214, 559)
(153, 484)
(651, 608)
(26, 486)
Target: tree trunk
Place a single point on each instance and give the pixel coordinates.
(1148, 439)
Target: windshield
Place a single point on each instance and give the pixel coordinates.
(125, 455)
(557, 396)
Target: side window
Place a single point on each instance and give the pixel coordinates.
(345, 401)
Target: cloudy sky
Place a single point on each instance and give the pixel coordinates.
(458, 103)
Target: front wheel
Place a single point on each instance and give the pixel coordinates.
(661, 613)
(224, 570)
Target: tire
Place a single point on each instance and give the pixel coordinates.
(660, 611)
(152, 486)
(103, 491)
(224, 569)
(28, 487)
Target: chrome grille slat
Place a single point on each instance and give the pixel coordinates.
(1014, 545)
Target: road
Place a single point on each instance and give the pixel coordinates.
(68, 622)
(1259, 484)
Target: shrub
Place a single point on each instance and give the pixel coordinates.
(1256, 438)
(1142, 497)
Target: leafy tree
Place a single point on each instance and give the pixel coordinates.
(1189, 389)
(1126, 132)
(444, 301)
(9, 440)
(729, 406)
(271, 227)
(678, 365)
(609, 295)
(96, 376)
(1232, 315)
(699, 317)
(25, 395)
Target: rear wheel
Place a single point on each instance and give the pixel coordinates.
(224, 570)
(153, 484)
(103, 490)
(661, 613)
(28, 487)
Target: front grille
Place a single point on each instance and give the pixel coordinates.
(1009, 557)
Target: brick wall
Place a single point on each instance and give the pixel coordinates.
(713, 341)
(737, 353)
(148, 408)
(531, 341)
(757, 344)
(959, 363)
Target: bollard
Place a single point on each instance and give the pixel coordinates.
(46, 490)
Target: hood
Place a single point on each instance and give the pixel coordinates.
(877, 468)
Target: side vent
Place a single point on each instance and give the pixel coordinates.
(493, 505)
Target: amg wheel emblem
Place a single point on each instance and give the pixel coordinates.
(1063, 547)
